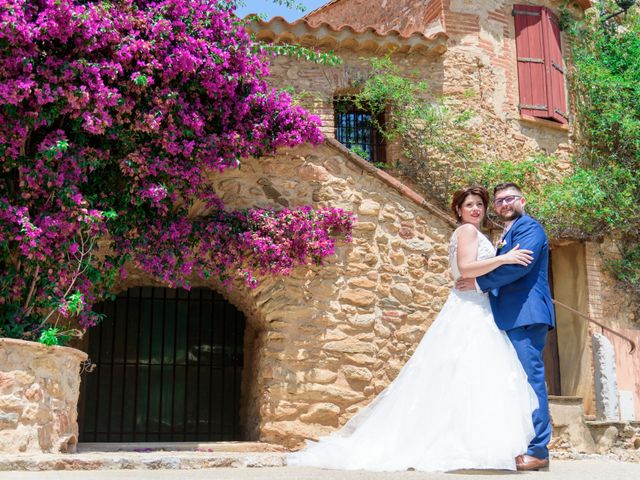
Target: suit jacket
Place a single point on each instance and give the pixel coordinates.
(520, 295)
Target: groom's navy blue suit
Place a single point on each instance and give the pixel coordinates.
(522, 307)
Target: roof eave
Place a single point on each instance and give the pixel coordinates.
(326, 37)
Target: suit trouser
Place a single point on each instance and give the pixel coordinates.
(529, 344)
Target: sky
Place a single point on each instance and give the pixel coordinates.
(272, 10)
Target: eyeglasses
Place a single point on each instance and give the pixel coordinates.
(508, 200)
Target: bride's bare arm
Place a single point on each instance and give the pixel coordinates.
(470, 267)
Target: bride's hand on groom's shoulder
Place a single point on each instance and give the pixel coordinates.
(517, 256)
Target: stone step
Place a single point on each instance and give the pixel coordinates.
(570, 433)
(217, 447)
(152, 460)
(610, 435)
(576, 433)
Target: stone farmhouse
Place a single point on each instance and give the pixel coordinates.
(297, 356)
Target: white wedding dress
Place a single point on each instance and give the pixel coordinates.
(462, 401)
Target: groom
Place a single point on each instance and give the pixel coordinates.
(522, 307)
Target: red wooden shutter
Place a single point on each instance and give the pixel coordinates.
(556, 90)
(530, 53)
(540, 67)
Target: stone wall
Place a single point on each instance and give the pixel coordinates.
(322, 342)
(349, 326)
(39, 389)
(316, 85)
(477, 73)
(573, 437)
(625, 311)
(478, 70)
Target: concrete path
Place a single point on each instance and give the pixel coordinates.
(560, 470)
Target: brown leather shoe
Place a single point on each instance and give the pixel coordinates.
(526, 463)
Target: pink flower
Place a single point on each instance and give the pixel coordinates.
(135, 103)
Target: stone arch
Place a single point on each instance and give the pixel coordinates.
(245, 301)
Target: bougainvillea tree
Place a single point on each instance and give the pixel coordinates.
(111, 115)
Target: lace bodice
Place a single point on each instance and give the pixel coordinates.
(485, 250)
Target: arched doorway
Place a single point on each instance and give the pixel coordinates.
(168, 368)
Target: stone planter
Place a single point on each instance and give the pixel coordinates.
(39, 388)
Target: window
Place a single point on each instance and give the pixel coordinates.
(541, 72)
(356, 130)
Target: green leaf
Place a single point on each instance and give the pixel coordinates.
(50, 336)
(141, 80)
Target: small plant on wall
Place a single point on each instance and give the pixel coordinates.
(432, 137)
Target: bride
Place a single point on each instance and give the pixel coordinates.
(462, 401)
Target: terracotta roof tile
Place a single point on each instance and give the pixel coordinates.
(584, 4)
(321, 7)
(325, 36)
